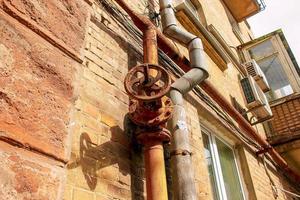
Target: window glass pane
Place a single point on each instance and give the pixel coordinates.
(229, 171)
(209, 162)
(262, 50)
(276, 77)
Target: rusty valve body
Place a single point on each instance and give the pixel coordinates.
(150, 114)
(149, 108)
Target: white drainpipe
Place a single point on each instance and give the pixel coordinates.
(183, 177)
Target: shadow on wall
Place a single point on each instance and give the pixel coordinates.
(93, 157)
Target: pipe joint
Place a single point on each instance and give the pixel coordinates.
(189, 80)
(196, 43)
(161, 8)
(165, 4)
(176, 97)
(170, 19)
(179, 34)
(181, 152)
(197, 59)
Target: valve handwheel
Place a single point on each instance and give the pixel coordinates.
(142, 85)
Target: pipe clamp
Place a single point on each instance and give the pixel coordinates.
(182, 152)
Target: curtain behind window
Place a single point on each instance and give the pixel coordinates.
(209, 161)
(229, 172)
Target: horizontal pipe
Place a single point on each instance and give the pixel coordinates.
(172, 51)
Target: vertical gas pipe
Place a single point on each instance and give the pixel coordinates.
(153, 148)
(147, 84)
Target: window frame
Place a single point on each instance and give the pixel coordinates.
(279, 52)
(217, 170)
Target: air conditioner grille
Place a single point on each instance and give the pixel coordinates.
(247, 90)
(251, 70)
(255, 71)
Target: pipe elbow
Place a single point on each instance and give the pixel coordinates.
(197, 55)
(196, 43)
(176, 97)
(189, 80)
(179, 34)
(168, 17)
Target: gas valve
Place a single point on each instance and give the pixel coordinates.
(147, 85)
(142, 85)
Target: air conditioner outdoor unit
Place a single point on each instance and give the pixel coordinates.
(256, 100)
(255, 71)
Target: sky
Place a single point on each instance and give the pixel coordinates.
(284, 14)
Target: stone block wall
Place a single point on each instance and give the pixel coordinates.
(40, 45)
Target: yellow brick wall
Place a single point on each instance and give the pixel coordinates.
(100, 160)
(261, 181)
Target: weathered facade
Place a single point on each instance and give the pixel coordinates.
(64, 129)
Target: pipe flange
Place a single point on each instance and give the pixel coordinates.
(162, 134)
(150, 114)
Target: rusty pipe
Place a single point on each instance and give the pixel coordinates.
(243, 124)
(166, 45)
(172, 51)
(150, 45)
(156, 183)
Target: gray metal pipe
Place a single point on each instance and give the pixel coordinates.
(188, 81)
(182, 171)
(183, 177)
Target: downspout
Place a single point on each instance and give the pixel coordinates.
(182, 174)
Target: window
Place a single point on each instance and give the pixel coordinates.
(223, 172)
(267, 58)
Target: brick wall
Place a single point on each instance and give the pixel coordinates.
(261, 181)
(286, 117)
(100, 165)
